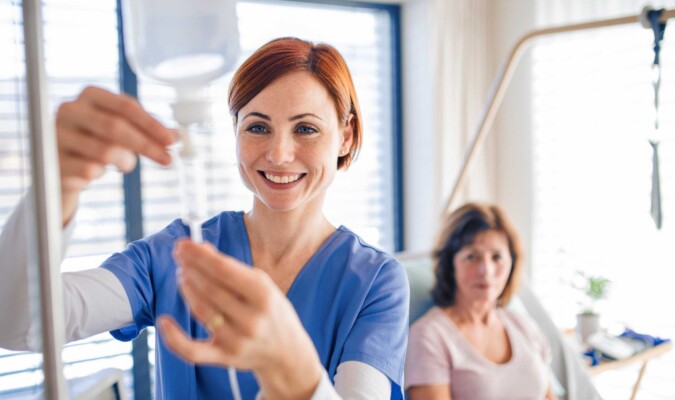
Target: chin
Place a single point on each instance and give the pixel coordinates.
(277, 205)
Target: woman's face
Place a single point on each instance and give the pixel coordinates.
(288, 142)
(482, 268)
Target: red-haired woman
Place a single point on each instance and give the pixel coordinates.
(321, 313)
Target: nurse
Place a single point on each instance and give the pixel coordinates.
(302, 308)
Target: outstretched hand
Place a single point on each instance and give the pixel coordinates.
(101, 128)
(251, 322)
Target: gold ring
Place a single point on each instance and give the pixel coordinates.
(215, 322)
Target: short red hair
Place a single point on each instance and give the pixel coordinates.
(282, 56)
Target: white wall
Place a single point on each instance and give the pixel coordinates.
(420, 206)
(508, 145)
(512, 130)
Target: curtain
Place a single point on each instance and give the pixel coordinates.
(463, 68)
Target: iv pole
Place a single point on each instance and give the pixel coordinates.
(503, 79)
(46, 201)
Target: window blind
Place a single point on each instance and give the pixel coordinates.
(592, 119)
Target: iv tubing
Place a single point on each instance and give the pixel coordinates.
(193, 185)
(234, 383)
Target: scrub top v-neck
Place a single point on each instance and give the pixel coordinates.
(350, 297)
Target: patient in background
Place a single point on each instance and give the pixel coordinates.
(469, 346)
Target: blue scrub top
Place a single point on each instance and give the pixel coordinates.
(351, 298)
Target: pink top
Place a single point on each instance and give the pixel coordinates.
(438, 353)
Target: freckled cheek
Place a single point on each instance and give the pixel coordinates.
(247, 152)
(319, 159)
(245, 159)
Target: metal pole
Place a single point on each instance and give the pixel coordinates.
(47, 204)
(502, 81)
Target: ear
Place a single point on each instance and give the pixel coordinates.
(347, 136)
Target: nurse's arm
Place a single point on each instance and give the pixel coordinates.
(94, 299)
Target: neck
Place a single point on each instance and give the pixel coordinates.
(277, 235)
(472, 313)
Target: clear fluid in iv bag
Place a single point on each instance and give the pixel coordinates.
(179, 42)
(191, 67)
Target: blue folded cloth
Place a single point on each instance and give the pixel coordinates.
(593, 357)
(649, 340)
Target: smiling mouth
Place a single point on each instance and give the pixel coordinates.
(285, 179)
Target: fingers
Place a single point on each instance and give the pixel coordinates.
(250, 284)
(194, 351)
(206, 298)
(132, 110)
(115, 120)
(96, 150)
(76, 173)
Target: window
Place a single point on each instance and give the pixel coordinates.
(592, 118)
(81, 49)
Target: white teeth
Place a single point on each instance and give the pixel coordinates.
(282, 179)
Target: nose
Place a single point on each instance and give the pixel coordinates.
(281, 149)
(483, 267)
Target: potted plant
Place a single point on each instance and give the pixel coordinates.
(594, 288)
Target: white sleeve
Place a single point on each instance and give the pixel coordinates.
(354, 380)
(94, 300)
(360, 381)
(15, 313)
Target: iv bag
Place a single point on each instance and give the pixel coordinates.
(183, 43)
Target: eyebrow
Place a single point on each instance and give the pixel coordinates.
(301, 116)
(267, 117)
(257, 114)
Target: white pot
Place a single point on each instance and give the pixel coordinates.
(587, 324)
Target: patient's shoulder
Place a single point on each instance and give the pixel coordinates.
(433, 320)
(435, 327)
(515, 316)
(522, 322)
(529, 329)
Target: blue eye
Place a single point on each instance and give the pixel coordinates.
(305, 130)
(257, 128)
